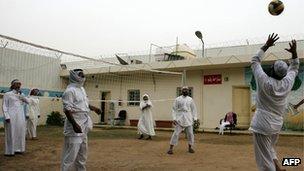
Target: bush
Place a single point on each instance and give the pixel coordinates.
(55, 118)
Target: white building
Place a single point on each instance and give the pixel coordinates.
(219, 82)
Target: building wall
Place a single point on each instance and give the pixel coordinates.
(162, 89)
(195, 79)
(34, 71)
(212, 101)
(217, 98)
(47, 105)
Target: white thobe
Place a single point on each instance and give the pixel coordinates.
(32, 112)
(75, 144)
(184, 113)
(146, 123)
(271, 103)
(15, 130)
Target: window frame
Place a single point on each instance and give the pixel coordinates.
(130, 99)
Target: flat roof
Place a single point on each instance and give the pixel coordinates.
(228, 61)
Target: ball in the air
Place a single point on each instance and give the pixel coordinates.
(276, 7)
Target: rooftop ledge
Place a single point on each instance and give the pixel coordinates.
(191, 64)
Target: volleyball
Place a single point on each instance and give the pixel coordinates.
(276, 7)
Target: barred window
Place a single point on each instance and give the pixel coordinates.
(133, 95)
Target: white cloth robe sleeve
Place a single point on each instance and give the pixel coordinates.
(33, 102)
(292, 72)
(5, 107)
(27, 110)
(256, 67)
(174, 108)
(144, 104)
(67, 100)
(260, 75)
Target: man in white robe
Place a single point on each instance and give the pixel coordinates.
(184, 114)
(146, 123)
(77, 124)
(14, 124)
(271, 103)
(32, 114)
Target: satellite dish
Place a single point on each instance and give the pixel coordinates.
(121, 61)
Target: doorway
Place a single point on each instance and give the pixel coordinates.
(105, 105)
(241, 105)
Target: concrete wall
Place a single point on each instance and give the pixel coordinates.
(34, 71)
(163, 87)
(47, 105)
(217, 99)
(212, 101)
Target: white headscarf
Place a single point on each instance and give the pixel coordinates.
(280, 68)
(75, 79)
(144, 102)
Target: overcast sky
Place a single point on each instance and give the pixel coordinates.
(97, 27)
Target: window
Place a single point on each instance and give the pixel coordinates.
(133, 95)
(179, 91)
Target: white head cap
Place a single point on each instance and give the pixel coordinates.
(15, 81)
(280, 68)
(185, 87)
(146, 95)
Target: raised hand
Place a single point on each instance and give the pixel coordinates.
(272, 38)
(293, 48)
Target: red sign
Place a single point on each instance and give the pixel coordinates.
(213, 79)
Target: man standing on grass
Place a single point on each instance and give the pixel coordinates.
(14, 123)
(184, 114)
(32, 114)
(77, 124)
(271, 102)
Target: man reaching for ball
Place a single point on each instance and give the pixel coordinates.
(272, 92)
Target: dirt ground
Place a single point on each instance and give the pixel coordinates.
(118, 149)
